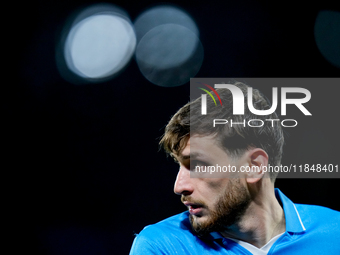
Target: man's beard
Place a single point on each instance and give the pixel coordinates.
(227, 211)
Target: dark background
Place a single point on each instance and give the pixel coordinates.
(85, 170)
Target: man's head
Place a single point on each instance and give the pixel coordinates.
(234, 140)
(217, 203)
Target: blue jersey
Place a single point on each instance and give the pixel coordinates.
(310, 230)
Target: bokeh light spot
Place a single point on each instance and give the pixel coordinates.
(327, 35)
(169, 51)
(98, 44)
(161, 15)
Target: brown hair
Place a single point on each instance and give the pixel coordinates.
(236, 139)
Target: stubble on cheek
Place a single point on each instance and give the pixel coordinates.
(228, 209)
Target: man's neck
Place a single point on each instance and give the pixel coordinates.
(263, 220)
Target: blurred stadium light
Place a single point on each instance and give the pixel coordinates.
(169, 51)
(96, 44)
(327, 35)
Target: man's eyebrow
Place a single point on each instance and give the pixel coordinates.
(184, 157)
(193, 155)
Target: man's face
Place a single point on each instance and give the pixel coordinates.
(214, 203)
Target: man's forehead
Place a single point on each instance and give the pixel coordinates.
(201, 140)
(198, 146)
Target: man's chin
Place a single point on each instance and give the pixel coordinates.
(201, 224)
(197, 219)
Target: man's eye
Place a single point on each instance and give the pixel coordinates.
(194, 164)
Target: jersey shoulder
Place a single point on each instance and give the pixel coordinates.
(319, 217)
(175, 225)
(171, 236)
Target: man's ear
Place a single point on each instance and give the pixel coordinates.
(257, 160)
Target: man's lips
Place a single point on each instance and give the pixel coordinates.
(194, 209)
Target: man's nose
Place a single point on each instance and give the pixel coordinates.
(183, 184)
